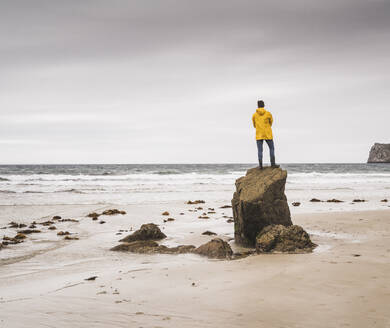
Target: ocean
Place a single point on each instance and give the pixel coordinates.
(158, 183)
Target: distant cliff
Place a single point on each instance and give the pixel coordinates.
(379, 153)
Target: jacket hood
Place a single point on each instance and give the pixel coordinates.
(260, 111)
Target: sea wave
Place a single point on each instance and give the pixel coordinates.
(76, 191)
(166, 172)
(338, 174)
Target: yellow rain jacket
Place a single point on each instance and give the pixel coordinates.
(262, 121)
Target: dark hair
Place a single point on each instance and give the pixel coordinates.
(260, 104)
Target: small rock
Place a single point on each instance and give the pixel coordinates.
(93, 215)
(182, 213)
(91, 278)
(334, 201)
(209, 233)
(384, 200)
(148, 231)
(198, 201)
(28, 231)
(296, 204)
(230, 221)
(52, 228)
(315, 200)
(46, 223)
(71, 238)
(12, 241)
(68, 220)
(13, 224)
(138, 246)
(203, 217)
(165, 213)
(63, 233)
(226, 206)
(56, 217)
(216, 249)
(359, 200)
(20, 236)
(102, 222)
(113, 212)
(151, 247)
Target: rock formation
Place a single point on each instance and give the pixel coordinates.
(261, 214)
(278, 238)
(259, 201)
(379, 153)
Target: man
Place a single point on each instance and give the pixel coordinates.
(262, 122)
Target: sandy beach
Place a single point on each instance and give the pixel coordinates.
(343, 283)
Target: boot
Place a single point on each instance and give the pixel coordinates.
(273, 163)
(260, 165)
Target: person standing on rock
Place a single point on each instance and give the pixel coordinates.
(262, 122)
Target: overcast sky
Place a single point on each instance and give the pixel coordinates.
(177, 81)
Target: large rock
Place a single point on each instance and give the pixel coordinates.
(149, 231)
(278, 238)
(215, 249)
(259, 201)
(379, 153)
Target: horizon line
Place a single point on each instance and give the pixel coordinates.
(216, 163)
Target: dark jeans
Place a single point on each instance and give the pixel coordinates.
(271, 147)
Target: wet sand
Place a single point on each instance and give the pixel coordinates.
(344, 283)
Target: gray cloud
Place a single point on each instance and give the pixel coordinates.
(177, 81)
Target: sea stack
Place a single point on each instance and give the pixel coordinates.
(259, 201)
(262, 216)
(379, 153)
